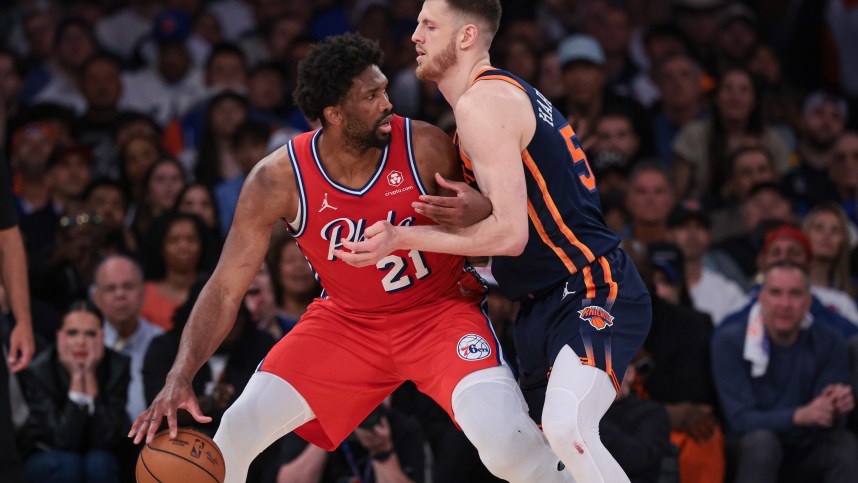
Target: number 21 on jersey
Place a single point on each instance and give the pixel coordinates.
(395, 266)
(578, 157)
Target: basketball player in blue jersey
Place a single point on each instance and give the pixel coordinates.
(585, 311)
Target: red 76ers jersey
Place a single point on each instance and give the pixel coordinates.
(330, 212)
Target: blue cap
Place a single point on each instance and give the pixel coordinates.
(577, 48)
(171, 26)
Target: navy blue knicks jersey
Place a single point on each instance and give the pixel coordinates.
(566, 230)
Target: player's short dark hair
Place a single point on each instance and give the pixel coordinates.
(487, 10)
(325, 75)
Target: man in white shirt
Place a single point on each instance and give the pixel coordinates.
(118, 292)
(712, 293)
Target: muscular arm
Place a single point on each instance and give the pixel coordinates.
(267, 195)
(493, 139)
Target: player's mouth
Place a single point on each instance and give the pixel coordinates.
(385, 125)
(420, 55)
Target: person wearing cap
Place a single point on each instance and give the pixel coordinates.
(690, 227)
(582, 63)
(698, 20)
(823, 120)
(786, 243)
(168, 89)
(784, 384)
(737, 34)
(677, 373)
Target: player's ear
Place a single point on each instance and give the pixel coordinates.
(333, 115)
(468, 36)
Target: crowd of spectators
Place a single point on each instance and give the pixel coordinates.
(723, 134)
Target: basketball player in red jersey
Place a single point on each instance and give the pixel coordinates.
(584, 308)
(412, 316)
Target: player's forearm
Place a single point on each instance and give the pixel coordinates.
(211, 320)
(486, 238)
(14, 263)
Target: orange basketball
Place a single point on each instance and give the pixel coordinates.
(190, 458)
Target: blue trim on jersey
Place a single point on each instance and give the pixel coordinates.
(412, 161)
(382, 163)
(484, 308)
(302, 194)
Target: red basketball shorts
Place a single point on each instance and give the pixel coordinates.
(345, 363)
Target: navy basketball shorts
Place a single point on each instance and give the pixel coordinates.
(603, 313)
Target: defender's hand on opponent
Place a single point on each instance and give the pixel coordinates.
(467, 207)
(176, 394)
(380, 240)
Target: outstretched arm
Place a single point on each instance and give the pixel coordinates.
(267, 195)
(493, 140)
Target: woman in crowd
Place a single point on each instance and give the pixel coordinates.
(198, 199)
(827, 229)
(179, 254)
(161, 187)
(295, 285)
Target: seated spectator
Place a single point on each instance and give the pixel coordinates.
(844, 174)
(137, 154)
(30, 147)
(615, 134)
(249, 146)
(262, 305)
(679, 80)
(711, 292)
(673, 369)
(76, 391)
(746, 167)
(105, 198)
(118, 293)
(783, 381)
(636, 432)
(68, 174)
(198, 199)
(216, 157)
(767, 206)
(222, 378)
(649, 201)
(786, 243)
(179, 253)
(827, 229)
(295, 285)
(823, 119)
(386, 446)
(161, 187)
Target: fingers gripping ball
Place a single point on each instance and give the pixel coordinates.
(190, 458)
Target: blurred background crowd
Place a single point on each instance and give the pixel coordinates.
(722, 134)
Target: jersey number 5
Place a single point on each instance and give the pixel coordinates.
(395, 281)
(578, 157)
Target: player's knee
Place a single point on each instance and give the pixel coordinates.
(561, 426)
(505, 448)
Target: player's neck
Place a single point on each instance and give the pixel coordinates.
(344, 163)
(460, 77)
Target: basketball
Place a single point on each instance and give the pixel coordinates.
(190, 458)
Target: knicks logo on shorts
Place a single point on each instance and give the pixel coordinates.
(598, 317)
(473, 347)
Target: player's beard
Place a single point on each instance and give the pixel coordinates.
(360, 137)
(435, 69)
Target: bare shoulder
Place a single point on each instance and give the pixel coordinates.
(434, 152)
(270, 189)
(498, 108)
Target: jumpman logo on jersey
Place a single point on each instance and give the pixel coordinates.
(566, 291)
(326, 205)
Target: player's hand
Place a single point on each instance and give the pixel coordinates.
(176, 394)
(380, 240)
(21, 347)
(467, 207)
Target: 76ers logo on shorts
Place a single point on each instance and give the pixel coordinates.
(473, 347)
(395, 178)
(598, 317)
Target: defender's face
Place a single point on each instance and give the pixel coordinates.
(367, 110)
(435, 40)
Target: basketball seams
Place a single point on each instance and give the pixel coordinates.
(143, 460)
(186, 459)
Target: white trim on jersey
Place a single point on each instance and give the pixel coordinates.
(412, 162)
(301, 221)
(339, 187)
